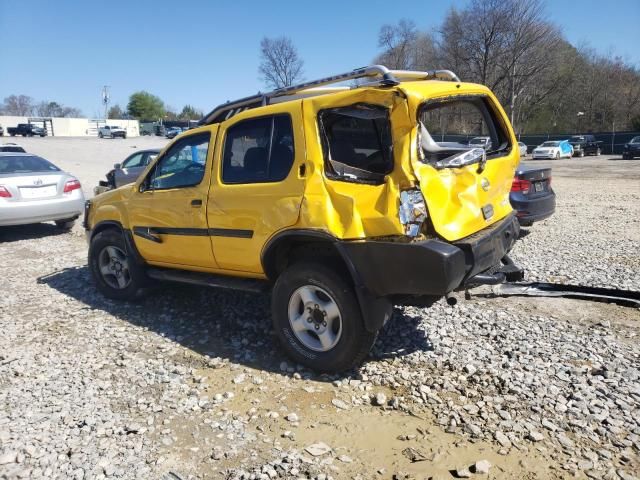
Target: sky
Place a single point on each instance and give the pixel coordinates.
(204, 53)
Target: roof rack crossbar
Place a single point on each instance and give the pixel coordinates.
(382, 74)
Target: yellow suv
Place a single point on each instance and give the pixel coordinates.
(340, 200)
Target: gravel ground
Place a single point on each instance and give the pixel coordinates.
(188, 382)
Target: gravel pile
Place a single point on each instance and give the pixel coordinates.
(188, 383)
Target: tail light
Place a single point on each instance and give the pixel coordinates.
(71, 185)
(520, 186)
(4, 193)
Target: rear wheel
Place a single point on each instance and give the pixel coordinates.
(115, 273)
(317, 318)
(66, 224)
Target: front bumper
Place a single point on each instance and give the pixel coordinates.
(430, 267)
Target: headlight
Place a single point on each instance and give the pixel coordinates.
(413, 211)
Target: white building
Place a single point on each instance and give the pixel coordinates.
(71, 127)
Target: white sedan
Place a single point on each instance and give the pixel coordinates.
(33, 190)
(554, 149)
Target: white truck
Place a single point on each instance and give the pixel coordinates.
(112, 131)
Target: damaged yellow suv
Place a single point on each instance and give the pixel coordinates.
(340, 200)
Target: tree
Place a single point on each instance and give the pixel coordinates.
(190, 113)
(145, 106)
(280, 64)
(19, 105)
(55, 109)
(115, 113)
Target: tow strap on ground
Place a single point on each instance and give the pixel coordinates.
(540, 289)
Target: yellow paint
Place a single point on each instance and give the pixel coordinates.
(309, 199)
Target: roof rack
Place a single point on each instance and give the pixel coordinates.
(379, 74)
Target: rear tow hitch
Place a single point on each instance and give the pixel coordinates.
(508, 272)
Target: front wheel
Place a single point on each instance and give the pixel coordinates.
(557, 155)
(317, 318)
(114, 272)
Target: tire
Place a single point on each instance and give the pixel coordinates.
(125, 278)
(124, 136)
(66, 224)
(100, 135)
(299, 289)
(581, 153)
(557, 155)
(598, 152)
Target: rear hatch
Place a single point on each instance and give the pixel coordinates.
(29, 187)
(466, 188)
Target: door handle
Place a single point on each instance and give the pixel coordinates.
(196, 202)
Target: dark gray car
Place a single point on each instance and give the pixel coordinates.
(129, 170)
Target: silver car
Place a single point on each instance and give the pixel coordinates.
(127, 171)
(33, 190)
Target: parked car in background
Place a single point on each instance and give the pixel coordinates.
(531, 194)
(111, 131)
(33, 190)
(585, 145)
(12, 147)
(159, 130)
(127, 171)
(631, 149)
(523, 149)
(553, 149)
(482, 142)
(173, 132)
(26, 130)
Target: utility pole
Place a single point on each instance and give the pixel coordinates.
(105, 100)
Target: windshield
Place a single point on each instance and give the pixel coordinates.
(550, 144)
(577, 139)
(635, 140)
(25, 164)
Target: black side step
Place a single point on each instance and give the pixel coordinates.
(209, 279)
(541, 289)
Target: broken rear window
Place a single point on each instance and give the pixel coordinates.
(460, 130)
(356, 142)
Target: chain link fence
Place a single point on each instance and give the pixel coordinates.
(612, 142)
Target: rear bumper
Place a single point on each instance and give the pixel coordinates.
(531, 210)
(430, 267)
(24, 213)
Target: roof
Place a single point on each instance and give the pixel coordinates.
(375, 76)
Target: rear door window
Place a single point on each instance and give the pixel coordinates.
(461, 129)
(258, 150)
(357, 143)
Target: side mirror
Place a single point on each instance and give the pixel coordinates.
(117, 166)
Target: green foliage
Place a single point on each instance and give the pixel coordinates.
(190, 113)
(145, 106)
(115, 113)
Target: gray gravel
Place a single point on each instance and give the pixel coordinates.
(175, 386)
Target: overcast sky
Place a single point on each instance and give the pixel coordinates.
(199, 53)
